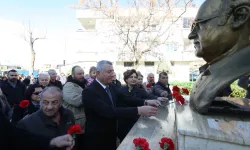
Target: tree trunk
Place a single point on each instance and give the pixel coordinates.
(137, 64)
(33, 57)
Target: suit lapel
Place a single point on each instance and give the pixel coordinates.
(100, 91)
(113, 94)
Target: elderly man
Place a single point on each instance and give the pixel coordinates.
(221, 37)
(12, 138)
(43, 79)
(53, 79)
(148, 86)
(100, 103)
(52, 119)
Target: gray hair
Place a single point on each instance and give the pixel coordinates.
(51, 71)
(53, 90)
(43, 74)
(100, 65)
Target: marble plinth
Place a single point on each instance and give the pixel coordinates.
(199, 132)
(153, 129)
(190, 130)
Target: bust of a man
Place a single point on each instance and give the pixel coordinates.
(221, 35)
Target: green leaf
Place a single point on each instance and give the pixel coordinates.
(165, 146)
(138, 148)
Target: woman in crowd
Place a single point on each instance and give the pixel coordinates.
(131, 89)
(31, 94)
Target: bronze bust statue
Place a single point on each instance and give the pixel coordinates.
(221, 35)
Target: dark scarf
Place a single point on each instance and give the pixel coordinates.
(82, 84)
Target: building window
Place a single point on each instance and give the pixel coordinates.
(171, 47)
(128, 64)
(149, 63)
(187, 22)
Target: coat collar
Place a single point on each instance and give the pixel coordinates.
(48, 122)
(100, 91)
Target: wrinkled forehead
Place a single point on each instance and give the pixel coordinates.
(51, 96)
(208, 9)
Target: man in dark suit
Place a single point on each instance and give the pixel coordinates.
(100, 100)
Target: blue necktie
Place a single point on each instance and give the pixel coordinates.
(109, 94)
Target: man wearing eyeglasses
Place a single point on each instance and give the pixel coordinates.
(220, 35)
(13, 89)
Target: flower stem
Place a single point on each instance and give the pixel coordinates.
(165, 146)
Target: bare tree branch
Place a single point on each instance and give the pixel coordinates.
(28, 36)
(142, 25)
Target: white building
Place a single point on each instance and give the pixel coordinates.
(94, 42)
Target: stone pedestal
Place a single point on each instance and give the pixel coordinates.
(190, 130)
(153, 129)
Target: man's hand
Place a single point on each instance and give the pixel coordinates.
(154, 103)
(63, 141)
(162, 99)
(147, 111)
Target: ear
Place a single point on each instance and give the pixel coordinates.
(97, 73)
(241, 16)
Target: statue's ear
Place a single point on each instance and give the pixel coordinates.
(241, 16)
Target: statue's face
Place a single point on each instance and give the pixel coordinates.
(210, 39)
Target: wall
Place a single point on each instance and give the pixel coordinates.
(180, 71)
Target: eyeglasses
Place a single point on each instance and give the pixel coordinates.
(195, 23)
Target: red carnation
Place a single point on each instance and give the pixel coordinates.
(75, 129)
(175, 93)
(166, 144)
(185, 91)
(24, 103)
(179, 98)
(149, 85)
(176, 88)
(141, 144)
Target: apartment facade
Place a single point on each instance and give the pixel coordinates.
(96, 40)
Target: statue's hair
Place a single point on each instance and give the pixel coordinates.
(227, 9)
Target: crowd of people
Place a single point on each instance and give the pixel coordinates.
(105, 109)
